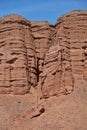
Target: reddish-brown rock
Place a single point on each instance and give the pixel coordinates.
(42, 32)
(40, 60)
(40, 55)
(17, 55)
(67, 56)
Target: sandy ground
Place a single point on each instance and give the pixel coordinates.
(67, 112)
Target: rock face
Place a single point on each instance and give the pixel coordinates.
(41, 32)
(40, 55)
(17, 55)
(67, 56)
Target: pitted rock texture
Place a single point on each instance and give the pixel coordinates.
(17, 55)
(67, 57)
(42, 32)
(40, 55)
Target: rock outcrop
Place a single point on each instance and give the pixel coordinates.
(43, 56)
(41, 32)
(17, 55)
(67, 57)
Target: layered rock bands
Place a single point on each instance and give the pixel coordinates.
(40, 55)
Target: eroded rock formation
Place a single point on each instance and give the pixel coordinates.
(40, 55)
(17, 55)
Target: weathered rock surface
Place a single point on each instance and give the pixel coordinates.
(40, 55)
(42, 32)
(17, 55)
(40, 60)
(67, 56)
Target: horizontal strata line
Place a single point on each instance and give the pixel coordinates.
(11, 38)
(40, 36)
(27, 23)
(9, 29)
(41, 29)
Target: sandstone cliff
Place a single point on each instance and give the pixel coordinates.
(42, 56)
(39, 60)
(67, 56)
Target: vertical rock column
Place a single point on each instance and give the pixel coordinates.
(67, 57)
(57, 74)
(16, 55)
(42, 40)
